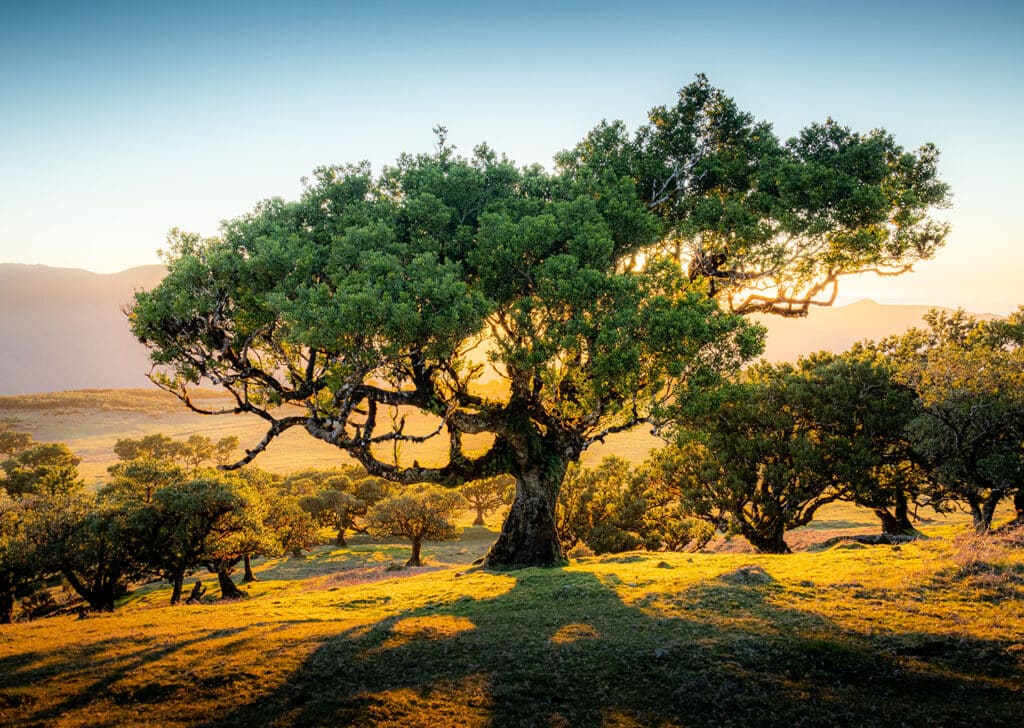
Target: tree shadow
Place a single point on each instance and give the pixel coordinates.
(562, 648)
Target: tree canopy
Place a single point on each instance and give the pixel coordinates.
(600, 292)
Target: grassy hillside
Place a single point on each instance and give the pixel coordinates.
(927, 634)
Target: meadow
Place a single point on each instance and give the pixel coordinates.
(926, 633)
(837, 633)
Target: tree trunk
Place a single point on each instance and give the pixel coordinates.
(340, 540)
(176, 582)
(6, 607)
(228, 590)
(983, 509)
(1018, 506)
(248, 576)
(766, 542)
(479, 521)
(414, 559)
(901, 510)
(893, 525)
(104, 597)
(528, 536)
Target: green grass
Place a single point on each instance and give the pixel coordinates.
(928, 633)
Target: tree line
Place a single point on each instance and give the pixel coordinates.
(933, 417)
(166, 512)
(930, 418)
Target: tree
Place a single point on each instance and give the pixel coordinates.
(421, 513)
(594, 291)
(12, 440)
(19, 565)
(487, 495)
(190, 454)
(785, 441)
(95, 546)
(179, 524)
(969, 376)
(46, 468)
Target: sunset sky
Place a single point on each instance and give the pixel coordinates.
(120, 122)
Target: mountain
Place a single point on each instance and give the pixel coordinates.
(63, 328)
(837, 328)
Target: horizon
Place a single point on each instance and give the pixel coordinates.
(124, 122)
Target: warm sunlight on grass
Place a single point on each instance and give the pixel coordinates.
(929, 631)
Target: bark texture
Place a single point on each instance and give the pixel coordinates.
(528, 536)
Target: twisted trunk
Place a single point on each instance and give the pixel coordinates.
(767, 540)
(528, 536)
(228, 590)
(247, 576)
(898, 522)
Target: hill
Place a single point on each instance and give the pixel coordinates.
(63, 328)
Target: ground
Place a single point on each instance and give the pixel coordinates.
(926, 633)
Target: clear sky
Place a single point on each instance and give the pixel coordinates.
(119, 121)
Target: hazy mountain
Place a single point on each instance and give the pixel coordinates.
(836, 328)
(62, 328)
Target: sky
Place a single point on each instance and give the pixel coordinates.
(119, 121)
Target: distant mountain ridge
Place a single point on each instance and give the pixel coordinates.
(63, 328)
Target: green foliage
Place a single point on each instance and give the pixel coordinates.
(774, 448)
(20, 571)
(48, 468)
(969, 376)
(773, 225)
(612, 508)
(11, 439)
(419, 513)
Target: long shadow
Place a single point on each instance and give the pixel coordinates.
(561, 648)
(93, 658)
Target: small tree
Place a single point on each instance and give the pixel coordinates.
(48, 468)
(771, 450)
(20, 570)
(11, 439)
(421, 513)
(179, 525)
(969, 376)
(488, 495)
(95, 545)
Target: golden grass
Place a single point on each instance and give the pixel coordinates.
(90, 422)
(845, 636)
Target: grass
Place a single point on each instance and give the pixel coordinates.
(927, 633)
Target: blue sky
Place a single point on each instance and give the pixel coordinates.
(120, 121)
